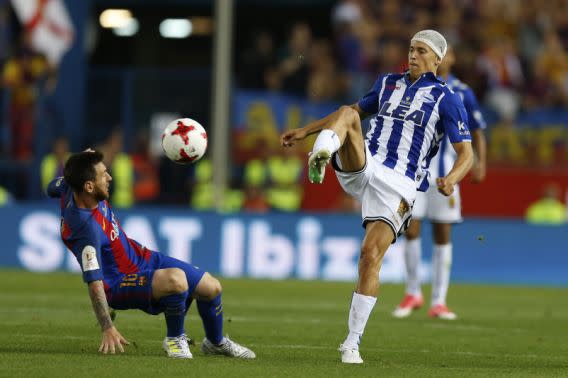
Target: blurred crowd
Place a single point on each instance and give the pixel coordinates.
(513, 53)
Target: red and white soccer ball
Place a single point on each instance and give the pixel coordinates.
(184, 141)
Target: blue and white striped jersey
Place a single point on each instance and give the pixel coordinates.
(411, 121)
(444, 160)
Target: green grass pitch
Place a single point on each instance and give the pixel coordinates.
(47, 329)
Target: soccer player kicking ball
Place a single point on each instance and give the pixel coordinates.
(441, 210)
(414, 110)
(126, 275)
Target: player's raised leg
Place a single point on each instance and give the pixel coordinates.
(378, 237)
(413, 299)
(208, 296)
(170, 290)
(441, 266)
(339, 132)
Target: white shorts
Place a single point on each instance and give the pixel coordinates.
(436, 207)
(384, 194)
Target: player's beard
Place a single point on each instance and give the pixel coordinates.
(100, 194)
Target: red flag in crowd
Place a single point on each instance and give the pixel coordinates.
(49, 25)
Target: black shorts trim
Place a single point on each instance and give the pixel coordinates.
(337, 169)
(387, 221)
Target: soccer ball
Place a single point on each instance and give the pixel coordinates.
(184, 141)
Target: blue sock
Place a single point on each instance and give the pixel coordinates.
(174, 311)
(212, 316)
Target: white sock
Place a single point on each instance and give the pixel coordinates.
(441, 265)
(361, 307)
(327, 139)
(412, 258)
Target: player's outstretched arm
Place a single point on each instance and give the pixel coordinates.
(461, 166)
(290, 137)
(112, 339)
(479, 147)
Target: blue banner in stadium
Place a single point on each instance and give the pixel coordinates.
(303, 246)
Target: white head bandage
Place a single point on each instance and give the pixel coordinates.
(434, 40)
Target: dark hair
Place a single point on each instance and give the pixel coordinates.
(80, 168)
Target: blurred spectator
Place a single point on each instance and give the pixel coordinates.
(53, 163)
(293, 65)
(284, 173)
(255, 200)
(548, 209)
(203, 193)
(146, 181)
(254, 182)
(551, 66)
(121, 169)
(501, 69)
(203, 189)
(5, 32)
(258, 62)
(500, 66)
(6, 197)
(325, 82)
(26, 75)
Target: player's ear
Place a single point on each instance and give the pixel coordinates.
(89, 186)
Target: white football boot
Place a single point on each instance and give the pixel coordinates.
(350, 355)
(177, 347)
(316, 165)
(227, 348)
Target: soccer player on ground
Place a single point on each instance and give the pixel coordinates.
(383, 170)
(441, 210)
(123, 274)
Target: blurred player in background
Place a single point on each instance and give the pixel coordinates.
(383, 170)
(441, 210)
(126, 275)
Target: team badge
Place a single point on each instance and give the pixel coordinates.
(89, 259)
(403, 208)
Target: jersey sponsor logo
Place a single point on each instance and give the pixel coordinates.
(89, 259)
(115, 232)
(402, 112)
(462, 129)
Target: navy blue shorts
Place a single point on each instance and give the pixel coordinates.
(134, 291)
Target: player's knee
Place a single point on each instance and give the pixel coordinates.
(177, 281)
(214, 287)
(208, 288)
(352, 118)
(371, 257)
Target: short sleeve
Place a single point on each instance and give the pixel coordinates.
(56, 187)
(474, 116)
(370, 101)
(454, 118)
(87, 250)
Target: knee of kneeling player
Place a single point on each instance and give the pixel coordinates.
(212, 287)
(177, 281)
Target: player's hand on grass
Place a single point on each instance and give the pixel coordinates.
(112, 341)
(445, 186)
(290, 137)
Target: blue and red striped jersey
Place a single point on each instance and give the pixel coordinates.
(95, 237)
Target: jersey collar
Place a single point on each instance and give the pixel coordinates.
(428, 76)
